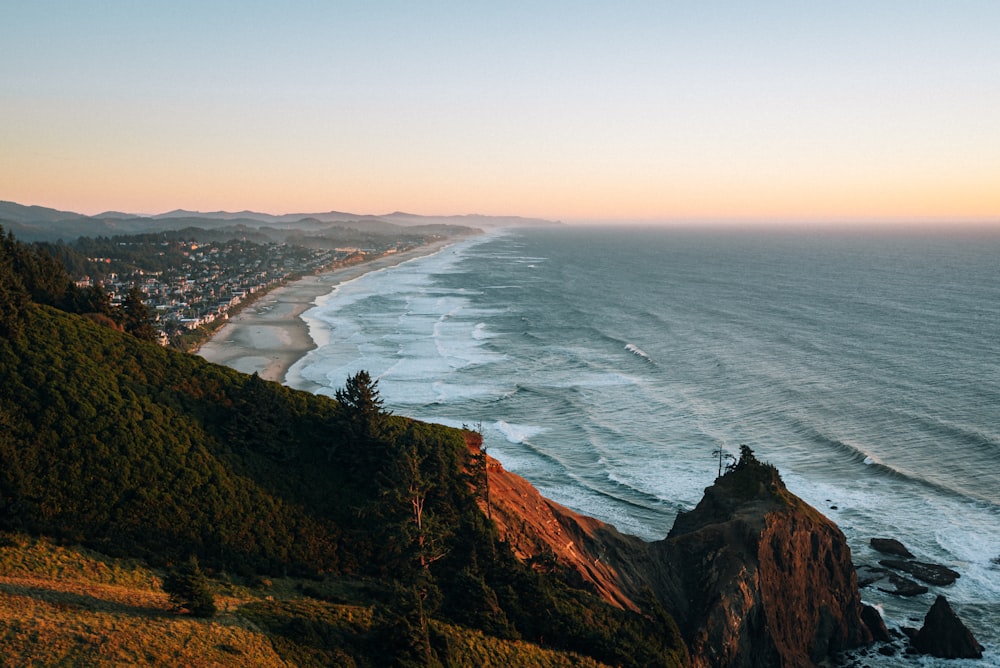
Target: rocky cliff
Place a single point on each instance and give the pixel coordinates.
(766, 579)
(753, 575)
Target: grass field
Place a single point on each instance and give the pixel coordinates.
(68, 606)
(72, 607)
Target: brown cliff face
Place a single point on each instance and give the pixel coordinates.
(543, 531)
(753, 576)
(769, 580)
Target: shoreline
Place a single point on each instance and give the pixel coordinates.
(269, 335)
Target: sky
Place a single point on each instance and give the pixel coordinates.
(576, 111)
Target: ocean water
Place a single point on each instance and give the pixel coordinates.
(605, 366)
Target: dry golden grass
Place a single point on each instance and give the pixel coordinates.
(72, 607)
(473, 648)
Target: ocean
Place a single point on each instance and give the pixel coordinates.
(607, 365)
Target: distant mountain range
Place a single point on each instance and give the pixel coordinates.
(36, 223)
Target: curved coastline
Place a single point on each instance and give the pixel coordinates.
(269, 336)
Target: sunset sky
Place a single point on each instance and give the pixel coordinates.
(575, 111)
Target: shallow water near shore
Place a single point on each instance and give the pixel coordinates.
(606, 366)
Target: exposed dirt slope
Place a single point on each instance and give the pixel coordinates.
(540, 529)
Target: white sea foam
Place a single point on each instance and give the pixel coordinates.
(481, 332)
(517, 433)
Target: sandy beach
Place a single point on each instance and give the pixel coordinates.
(268, 336)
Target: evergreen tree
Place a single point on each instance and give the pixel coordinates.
(262, 419)
(43, 277)
(190, 590)
(91, 300)
(360, 407)
(407, 489)
(136, 316)
(13, 297)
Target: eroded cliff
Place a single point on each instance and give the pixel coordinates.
(547, 533)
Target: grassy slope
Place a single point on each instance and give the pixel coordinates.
(72, 606)
(62, 606)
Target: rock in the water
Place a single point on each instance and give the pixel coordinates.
(873, 620)
(934, 574)
(945, 636)
(869, 575)
(901, 586)
(891, 546)
(887, 581)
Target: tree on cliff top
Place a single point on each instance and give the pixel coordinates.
(361, 407)
(750, 477)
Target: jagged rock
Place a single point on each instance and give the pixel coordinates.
(887, 650)
(869, 575)
(902, 586)
(934, 574)
(943, 634)
(891, 546)
(873, 620)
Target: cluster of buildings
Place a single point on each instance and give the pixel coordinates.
(208, 279)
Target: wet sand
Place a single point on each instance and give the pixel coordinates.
(269, 336)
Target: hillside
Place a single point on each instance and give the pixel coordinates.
(35, 223)
(140, 452)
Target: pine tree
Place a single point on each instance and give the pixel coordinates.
(14, 298)
(190, 590)
(361, 407)
(136, 316)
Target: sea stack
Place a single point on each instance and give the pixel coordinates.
(943, 634)
(758, 577)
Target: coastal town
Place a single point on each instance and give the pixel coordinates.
(189, 285)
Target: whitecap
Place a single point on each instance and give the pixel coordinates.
(637, 351)
(517, 433)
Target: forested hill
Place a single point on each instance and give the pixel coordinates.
(135, 450)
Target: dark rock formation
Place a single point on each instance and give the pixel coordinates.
(873, 620)
(900, 586)
(945, 636)
(764, 578)
(869, 575)
(934, 574)
(891, 546)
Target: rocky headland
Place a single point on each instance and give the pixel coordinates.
(753, 575)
